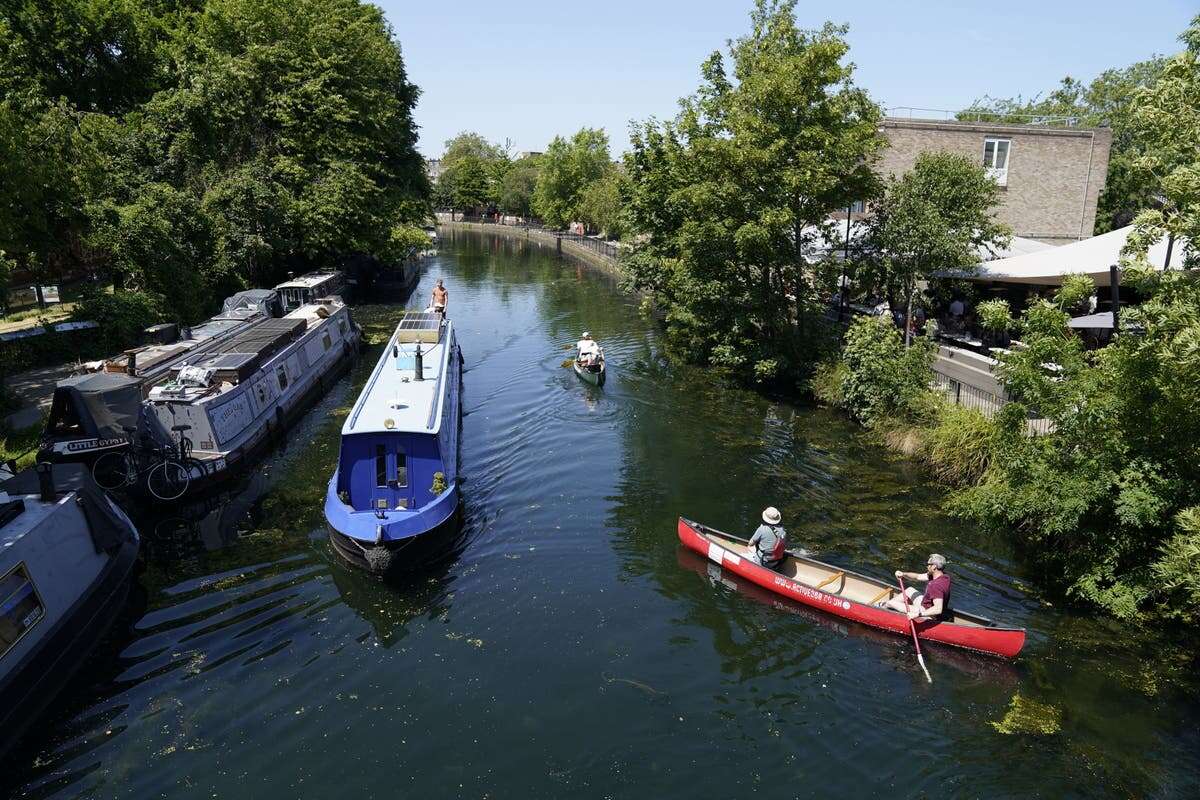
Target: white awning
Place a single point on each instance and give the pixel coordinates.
(1088, 257)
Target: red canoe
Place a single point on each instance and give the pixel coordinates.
(848, 594)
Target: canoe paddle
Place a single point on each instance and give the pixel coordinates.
(912, 625)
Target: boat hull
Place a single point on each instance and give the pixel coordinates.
(996, 641)
(587, 376)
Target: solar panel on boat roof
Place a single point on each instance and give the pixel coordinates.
(417, 326)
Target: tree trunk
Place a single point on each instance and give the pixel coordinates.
(908, 318)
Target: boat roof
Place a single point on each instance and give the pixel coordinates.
(309, 280)
(392, 401)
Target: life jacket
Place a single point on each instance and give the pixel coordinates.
(778, 551)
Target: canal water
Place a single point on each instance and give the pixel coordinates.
(568, 646)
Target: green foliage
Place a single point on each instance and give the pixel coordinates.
(995, 315)
(826, 382)
(1102, 504)
(6, 267)
(883, 380)
(517, 187)
(1029, 717)
(195, 148)
(1075, 293)
(473, 171)
(1166, 127)
(727, 198)
(600, 205)
(1177, 569)
(935, 217)
(404, 241)
(567, 168)
(959, 445)
(121, 315)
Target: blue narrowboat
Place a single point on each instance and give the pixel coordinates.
(396, 483)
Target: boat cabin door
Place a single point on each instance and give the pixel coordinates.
(392, 490)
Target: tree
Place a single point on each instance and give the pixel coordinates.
(732, 193)
(472, 171)
(935, 217)
(1105, 101)
(518, 186)
(600, 204)
(567, 168)
(1166, 126)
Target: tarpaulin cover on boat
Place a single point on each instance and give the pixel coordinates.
(264, 301)
(107, 527)
(102, 405)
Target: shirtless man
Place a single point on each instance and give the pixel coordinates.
(440, 296)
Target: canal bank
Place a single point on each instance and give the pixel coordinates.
(541, 237)
(568, 645)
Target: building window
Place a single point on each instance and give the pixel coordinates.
(995, 159)
(858, 207)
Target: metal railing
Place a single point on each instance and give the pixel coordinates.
(985, 402)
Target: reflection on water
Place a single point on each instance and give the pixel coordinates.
(567, 645)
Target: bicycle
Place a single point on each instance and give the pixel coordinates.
(167, 470)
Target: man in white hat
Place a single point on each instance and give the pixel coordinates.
(768, 545)
(588, 349)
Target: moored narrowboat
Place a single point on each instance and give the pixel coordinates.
(241, 397)
(67, 554)
(395, 488)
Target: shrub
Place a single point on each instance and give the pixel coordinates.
(826, 382)
(995, 316)
(1177, 570)
(121, 315)
(883, 378)
(959, 446)
(1075, 294)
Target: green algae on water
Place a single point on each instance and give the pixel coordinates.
(1030, 716)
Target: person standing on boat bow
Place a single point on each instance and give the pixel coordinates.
(935, 601)
(440, 296)
(768, 545)
(589, 350)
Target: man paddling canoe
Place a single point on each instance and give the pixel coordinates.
(768, 545)
(935, 601)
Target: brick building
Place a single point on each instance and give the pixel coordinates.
(1051, 177)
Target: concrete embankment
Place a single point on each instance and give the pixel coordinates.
(564, 246)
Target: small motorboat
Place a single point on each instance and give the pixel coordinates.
(848, 594)
(593, 373)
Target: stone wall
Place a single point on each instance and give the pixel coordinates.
(1055, 175)
(565, 246)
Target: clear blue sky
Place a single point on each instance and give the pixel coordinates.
(529, 70)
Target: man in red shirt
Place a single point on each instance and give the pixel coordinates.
(935, 601)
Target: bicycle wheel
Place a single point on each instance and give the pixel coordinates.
(168, 480)
(111, 471)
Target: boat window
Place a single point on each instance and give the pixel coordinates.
(20, 607)
(380, 465)
(281, 373)
(401, 468)
(328, 341)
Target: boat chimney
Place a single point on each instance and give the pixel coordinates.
(131, 367)
(420, 365)
(45, 473)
